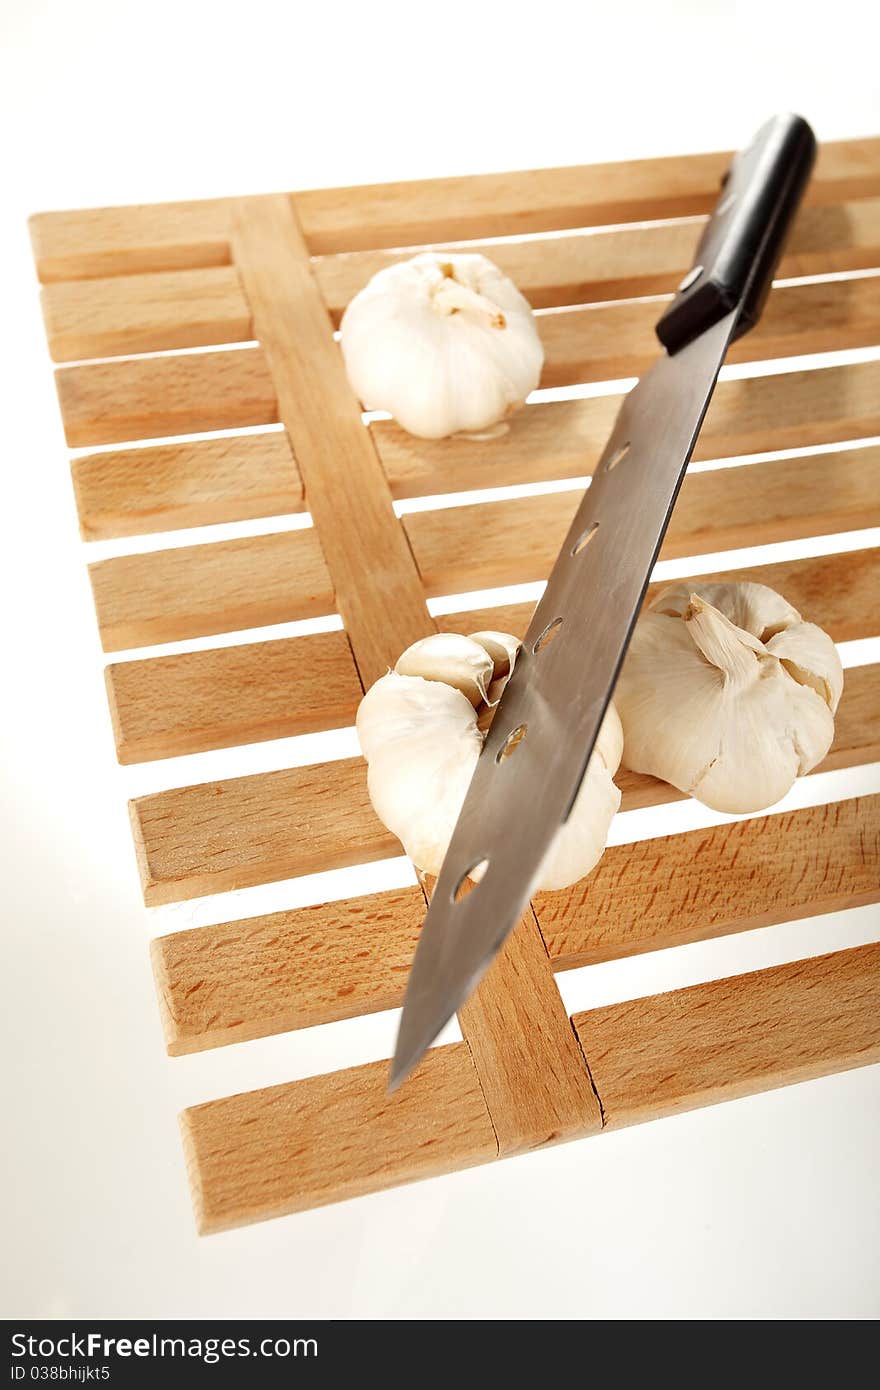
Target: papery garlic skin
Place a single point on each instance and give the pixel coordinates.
(444, 343)
(420, 736)
(727, 694)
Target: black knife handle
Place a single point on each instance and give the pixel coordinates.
(743, 239)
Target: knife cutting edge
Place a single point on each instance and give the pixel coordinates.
(539, 744)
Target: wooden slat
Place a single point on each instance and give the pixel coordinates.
(256, 829)
(839, 592)
(269, 1152)
(193, 308)
(104, 403)
(168, 236)
(601, 342)
(622, 262)
(539, 200)
(264, 975)
(533, 1074)
(194, 701)
(145, 398)
(187, 703)
(744, 874)
(511, 542)
(287, 1148)
(351, 505)
(347, 489)
(169, 595)
(132, 492)
(247, 979)
(715, 1042)
(145, 313)
(172, 594)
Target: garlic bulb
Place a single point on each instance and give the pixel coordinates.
(443, 342)
(728, 694)
(419, 733)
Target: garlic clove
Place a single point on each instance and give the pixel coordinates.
(731, 715)
(810, 658)
(421, 742)
(503, 650)
(456, 660)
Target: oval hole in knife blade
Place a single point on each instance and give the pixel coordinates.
(584, 538)
(617, 456)
(546, 637)
(464, 885)
(513, 741)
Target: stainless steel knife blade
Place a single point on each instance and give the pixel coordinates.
(542, 736)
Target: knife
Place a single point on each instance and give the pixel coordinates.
(540, 741)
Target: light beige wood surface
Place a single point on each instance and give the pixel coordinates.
(280, 1150)
(223, 586)
(163, 236)
(166, 487)
(142, 398)
(266, 1153)
(622, 262)
(247, 979)
(280, 578)
(163, 706)
(155, 488)
(274, 825)
(564, 439)
(145, 313)
(193, 308)
(731, 1038)
(534, 1076)
(346, 489)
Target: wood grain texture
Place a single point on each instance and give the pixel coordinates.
(187, 703)
(278, 578)
(192, 308)
(247, 830)
(287, 1148)
(534, 1077)
(290, 1147)
(346, 488)
(145, 398)
(715, 1042)
(564, 439)
(165, 487)
(488, 544)
(705, 883)
(265, 975)
(239, 980)
(106, 402)
(133, 491)
(145, 313)
(169, 595)
(166, 236)
(622, 262)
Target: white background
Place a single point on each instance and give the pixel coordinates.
(766, 1207)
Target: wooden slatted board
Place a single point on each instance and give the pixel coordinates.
(134, 287)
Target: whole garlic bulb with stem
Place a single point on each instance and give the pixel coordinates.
(418, 730)
(728, 694)
(444, 343)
